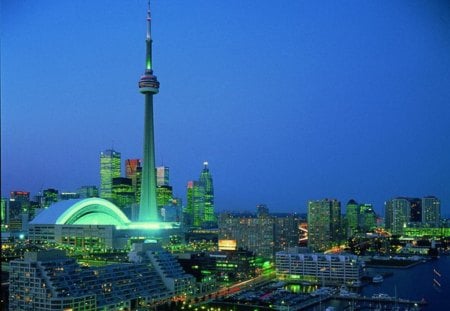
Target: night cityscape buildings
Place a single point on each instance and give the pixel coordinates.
(324, 223)
(110, 167)
(139, 214)
(199, 211)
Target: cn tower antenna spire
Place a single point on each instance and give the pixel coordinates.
(149, 23)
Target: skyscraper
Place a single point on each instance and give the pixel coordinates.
(133, 171)
(352, 212)
(323, 223)
(206, 182)
(162, 176)
(149, 86)
(195, 204)
(199, 211)
(431, 211)
(19, 208)
(109, 169)
(397, 214)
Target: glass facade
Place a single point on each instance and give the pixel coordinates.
(109, 169)
(324, 223)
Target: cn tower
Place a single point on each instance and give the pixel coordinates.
(149, 86)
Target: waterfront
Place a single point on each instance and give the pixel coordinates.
(416, 283)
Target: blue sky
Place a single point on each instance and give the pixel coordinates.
(287, 100)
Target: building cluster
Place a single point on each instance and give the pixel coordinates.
(405, 212)
(125, 192)
(48, 280)
(199, 210)
(263, 233)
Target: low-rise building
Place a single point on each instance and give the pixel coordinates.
(48, 280)
(295, 265)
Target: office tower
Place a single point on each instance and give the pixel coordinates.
(431, 211)
(164, 196)
(206, 182)
(3, 212)
(262, 210)
(287, 232)
(416, 210)
(109, 169)
(162, 176)
(195, 204)
(87, 192)
(352, 212)
(397, 214)
(19, 207)
(368, 218)
(199, 211)
(122, 193)
(149, 86)
(49, 196)
(133, 170)
(251, 233)
(323, 224)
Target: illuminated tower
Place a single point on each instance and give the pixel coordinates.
(206, 182)
(148, 85)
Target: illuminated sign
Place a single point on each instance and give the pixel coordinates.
(227, 245)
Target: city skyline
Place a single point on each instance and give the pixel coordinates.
(288, 103)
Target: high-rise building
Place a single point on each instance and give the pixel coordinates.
(397, 214)
(164, 196)
(109, 169)
(19, 208)
(367, 218)
(133, 170)
(149, 86)
(262, 210)
(251, 233)
(162, 176)
(199, 211)
(195, 206)
(3, 212)
(87, 192)
(206, 182)
(431, 211)
(287, 231)
(49, 196)
(324, 220)
(416, 210)
(122, 193)
(352, 212)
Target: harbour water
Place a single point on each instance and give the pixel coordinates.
(417, 282)
(414, 283)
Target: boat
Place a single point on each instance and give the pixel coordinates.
(381, 296)
(356, 283)
(377, 278)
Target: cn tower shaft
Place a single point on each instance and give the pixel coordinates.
(148, 85)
